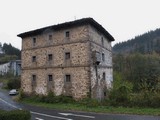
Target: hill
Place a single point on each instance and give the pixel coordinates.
(146, 43)
(8, 53)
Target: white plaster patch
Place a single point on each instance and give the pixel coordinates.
(58, 87)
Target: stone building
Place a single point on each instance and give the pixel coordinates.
(72, 58)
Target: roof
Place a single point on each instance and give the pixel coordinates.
(83, 21)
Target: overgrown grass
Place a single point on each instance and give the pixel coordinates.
(15, 115)
(97, 109)
(88, 105)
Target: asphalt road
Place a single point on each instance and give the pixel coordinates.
(39, 113)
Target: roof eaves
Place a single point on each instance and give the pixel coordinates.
(79, 22)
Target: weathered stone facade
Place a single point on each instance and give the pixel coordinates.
(60, 59)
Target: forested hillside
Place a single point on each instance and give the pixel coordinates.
(8, 53)
(136, 66)
(145, 43)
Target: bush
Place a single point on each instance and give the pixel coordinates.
(120, 96)
(89, 102)
(21, 95)
(14, 83)
(145, 99)
(51, 98)
(15, 115)
(155, 100)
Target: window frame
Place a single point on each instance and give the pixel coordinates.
(50, 77)
(103, 57)
(67, 55)
(34, 58)
(102, 41)
(68, 78)
(104, 76)
(50, 37)
(34, 41)
(34, 78)
(67, 34)
(50, 57)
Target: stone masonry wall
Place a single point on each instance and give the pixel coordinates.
(85, 76)
(78, 51)
(78, 66)
(99, 85)
(77, 34)
(79, 81)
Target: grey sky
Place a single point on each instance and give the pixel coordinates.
(124, 19)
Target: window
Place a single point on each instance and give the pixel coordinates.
(33, 78)
(34, 41)
(50, 37)
(67, 55)
(33, 58)
(102, 41)
(50, 77)
(67, 34)
(104, 76)
(68, 78)
(50, 57)
(103, 57)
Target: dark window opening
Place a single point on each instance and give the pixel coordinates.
(50, 37)
(67, 34)
(67, 55)
(102, 41)
(34, 41)
(103, 57)
(33, 58)
(50, 77)
(50, 57)
(104, 76)
(68, 78)
(33, 78)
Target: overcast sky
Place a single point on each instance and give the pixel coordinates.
(123, 19)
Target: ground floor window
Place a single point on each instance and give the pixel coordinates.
(68, 78)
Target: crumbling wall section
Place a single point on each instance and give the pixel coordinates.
(101, 74)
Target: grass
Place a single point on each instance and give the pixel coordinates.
(98, 109)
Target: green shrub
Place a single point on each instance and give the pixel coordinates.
(15, 115)
(51, 98)
(63, 99)
(21, 95)
(120, 96)
(145, 99)
(155, 100)
(14, 83)
(89, 102)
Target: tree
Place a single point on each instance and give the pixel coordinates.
(139, 69)
(10, 50)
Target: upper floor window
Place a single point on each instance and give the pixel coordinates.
(104, 76)
(34, 41)
(68, 78)
(103, 57)
(102, 41)
(50, 78)
(33, 58)
(67, 34)
(33, 78)
(50, 37)
(50, 57)
(67, 55)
